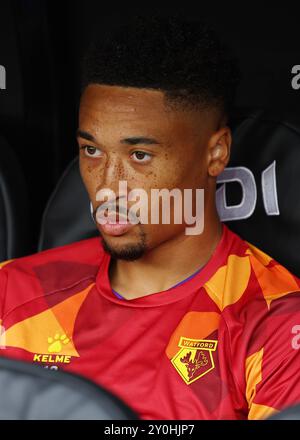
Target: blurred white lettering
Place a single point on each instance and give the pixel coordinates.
(296, 339)
(2, 78)
(296, 79)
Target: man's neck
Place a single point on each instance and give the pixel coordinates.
(166, 265)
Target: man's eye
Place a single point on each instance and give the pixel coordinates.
(91, 151)
(141, 156)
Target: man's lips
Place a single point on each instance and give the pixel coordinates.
(116, 225)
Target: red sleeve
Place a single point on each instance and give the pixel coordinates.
(3, 283)
(3, 287)
(273, 370)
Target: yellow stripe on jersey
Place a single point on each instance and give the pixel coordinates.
(261, 411)
(264, 258)
(253, 378)
(253, 374)
(229, 283)
(4, 263)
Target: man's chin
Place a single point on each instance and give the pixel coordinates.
(128, 252)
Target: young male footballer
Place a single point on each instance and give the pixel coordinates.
(177, 325)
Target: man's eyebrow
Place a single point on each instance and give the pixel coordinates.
(85, 135)
(139, 140)
(136, 140)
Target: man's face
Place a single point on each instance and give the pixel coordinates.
(130, 134)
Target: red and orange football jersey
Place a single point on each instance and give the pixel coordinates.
(221, 345)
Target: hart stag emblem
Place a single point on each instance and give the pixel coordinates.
(195, 358)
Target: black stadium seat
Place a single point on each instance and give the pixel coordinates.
(291, 413)
(13, 205)
(265, 164)
(67, 216)
(260, 200)
(30, 392)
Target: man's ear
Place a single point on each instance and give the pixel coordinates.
(219, 151)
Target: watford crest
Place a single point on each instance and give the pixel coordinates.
(195, 358)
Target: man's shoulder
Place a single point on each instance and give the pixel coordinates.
(249, 274)
(248, 261)
(84, 251)
(273, 277)
(66, 268)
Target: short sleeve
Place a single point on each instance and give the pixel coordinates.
(3, 289)
(273, 370)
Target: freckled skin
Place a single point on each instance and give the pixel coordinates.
(193, 149)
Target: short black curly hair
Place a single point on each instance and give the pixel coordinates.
(184, 59)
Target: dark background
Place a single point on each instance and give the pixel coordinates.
(41, 45)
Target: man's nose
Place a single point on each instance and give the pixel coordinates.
(112, 174)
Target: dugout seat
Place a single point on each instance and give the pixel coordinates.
(291, 413)
(258, 194)
(30, 392)
(13, 205)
